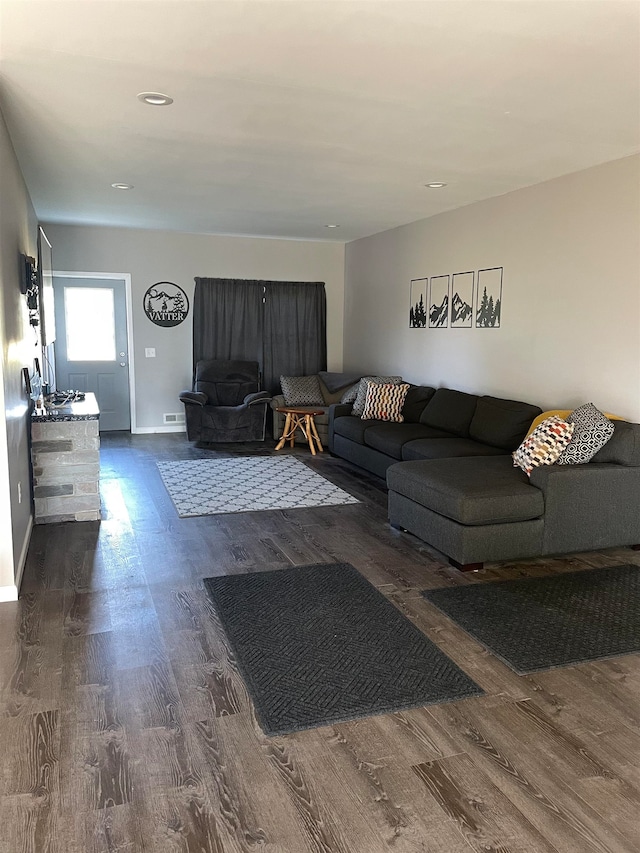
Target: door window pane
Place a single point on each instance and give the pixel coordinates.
(90, 322)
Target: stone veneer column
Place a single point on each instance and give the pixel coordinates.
(66, 468)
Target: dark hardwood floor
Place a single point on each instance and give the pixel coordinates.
(125, 726)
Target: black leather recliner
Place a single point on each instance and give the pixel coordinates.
(225, 404)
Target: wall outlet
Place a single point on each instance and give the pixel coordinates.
(149, 352)
(19, 493)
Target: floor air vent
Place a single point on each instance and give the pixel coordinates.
(174, 417)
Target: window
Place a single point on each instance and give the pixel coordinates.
(90, 322)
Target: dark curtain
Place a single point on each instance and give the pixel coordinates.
(295, 331)
(227, 319)
(282, 325)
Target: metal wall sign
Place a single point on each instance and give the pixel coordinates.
(165, 304)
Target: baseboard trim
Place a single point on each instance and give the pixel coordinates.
(21, 562)
(8, 593)
(151, 430)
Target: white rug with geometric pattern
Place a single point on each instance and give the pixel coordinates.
(247, 484)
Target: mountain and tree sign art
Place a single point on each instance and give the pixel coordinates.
(165, 304)
(418, 310)
(458, 301)
(439, 302)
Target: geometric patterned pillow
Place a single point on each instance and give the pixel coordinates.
(301, 390)
(385, 402)
(592, 431)
(544, 445)
(361, 396)
(350, 394)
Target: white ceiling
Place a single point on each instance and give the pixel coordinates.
(289, 116)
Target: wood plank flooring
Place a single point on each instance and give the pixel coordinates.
(126, 728)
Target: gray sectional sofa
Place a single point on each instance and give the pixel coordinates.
(452, 481)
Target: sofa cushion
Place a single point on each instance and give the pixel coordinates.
(592, 430)
(445, 448)
(544, 445)
(451, 411)
(476, 490)
(301, 390)
(390, 438)
(352, 427)
(417, 398)
(623, 448)
(501, 423)
(361, 396)
(385, 402)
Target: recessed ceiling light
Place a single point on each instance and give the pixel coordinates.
(435, 185)
(331, 226)
(122, 186)
(155, 99)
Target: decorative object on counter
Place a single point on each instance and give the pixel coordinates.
(36, 390)
(61, 398)
(166, 304)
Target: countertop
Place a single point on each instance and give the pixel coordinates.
(82, 410)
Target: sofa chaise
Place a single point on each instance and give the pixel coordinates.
(452, 481)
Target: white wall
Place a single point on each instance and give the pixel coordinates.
(570, 330)
(19, 345)
(151, 256)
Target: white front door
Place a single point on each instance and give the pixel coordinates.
(91, 347)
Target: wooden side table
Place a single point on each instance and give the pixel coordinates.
(305, 420)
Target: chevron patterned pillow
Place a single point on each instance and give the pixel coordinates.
(361, 396)
(384, 402)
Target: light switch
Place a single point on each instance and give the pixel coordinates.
(149, 352)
